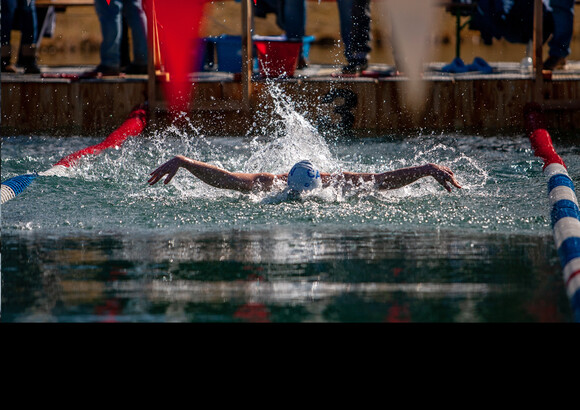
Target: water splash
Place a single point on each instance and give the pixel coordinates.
(110, 192)
(287, 138)
(471, 174)
(125, 200)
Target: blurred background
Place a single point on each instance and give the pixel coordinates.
(76, 38)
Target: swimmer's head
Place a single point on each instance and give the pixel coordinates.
(304, 176)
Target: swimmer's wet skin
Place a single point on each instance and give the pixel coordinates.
(263, 181)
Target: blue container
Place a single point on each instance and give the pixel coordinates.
(228, 52)
(204, 58)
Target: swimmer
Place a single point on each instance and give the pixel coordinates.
(302, 177)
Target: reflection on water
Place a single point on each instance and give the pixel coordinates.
(281, 275)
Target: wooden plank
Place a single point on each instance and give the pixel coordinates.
(108, 103)
(247, 58)
(68, 107)
(31, 104)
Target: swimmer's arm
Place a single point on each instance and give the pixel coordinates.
(212, 175)
(401, 177)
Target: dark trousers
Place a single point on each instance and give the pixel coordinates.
(27, 22)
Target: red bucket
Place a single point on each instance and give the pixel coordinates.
(277, 56)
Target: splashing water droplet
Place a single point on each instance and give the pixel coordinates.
(291, 139)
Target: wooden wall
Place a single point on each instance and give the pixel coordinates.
(65, 107)
(489, 105)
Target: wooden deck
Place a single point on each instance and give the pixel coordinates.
(470, 102)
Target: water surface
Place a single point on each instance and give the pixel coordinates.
(97, 244)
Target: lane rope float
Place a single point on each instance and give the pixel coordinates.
(133, 126)
(565, 214)
(14, 186)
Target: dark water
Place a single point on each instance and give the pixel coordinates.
(282, 275)
(97, 244)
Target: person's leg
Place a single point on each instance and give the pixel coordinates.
(293, 22)
(110, 20)
(345, 18)
(137, 21)
(264, 7)
(7, 17)
(294, 18)
(559, 44)
(359, 47)
(29, 23)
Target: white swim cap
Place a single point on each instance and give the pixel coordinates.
(304, 177)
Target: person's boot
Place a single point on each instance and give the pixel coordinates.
(6, 54)
(355, 66)
(27, 59)
(554, 63)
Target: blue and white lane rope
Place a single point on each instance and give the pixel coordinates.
(13, 186)
(565, 218)
(565, 213)
(133, 126)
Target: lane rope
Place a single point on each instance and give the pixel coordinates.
(133, 126)
(565, 214)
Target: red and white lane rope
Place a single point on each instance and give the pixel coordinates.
(133, 126)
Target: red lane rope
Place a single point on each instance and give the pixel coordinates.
(539, 137)
(133, 126)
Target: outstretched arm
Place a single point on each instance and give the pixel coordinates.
(401, 177)
(213, 175)
(247, 182)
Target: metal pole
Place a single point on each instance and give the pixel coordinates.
(538, 40)
(247, 58)
(151, 75)
(457, 33)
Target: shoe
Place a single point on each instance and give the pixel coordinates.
(27, 59)
(355, 67)
(136, 69)
(31, 68)
(553, 63)
(479, 64)
(101, 71)
(302, 63)
(7, 67)
(456, 66)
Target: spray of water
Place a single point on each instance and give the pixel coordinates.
(287, 138)
(472, 174)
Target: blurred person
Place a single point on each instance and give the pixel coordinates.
(513, 20)
(111, 21)
(562, 12)
(355, 31)
(22, 13)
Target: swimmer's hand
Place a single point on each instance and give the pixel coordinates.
(405, 176)
(169, 168)
(443, 175)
